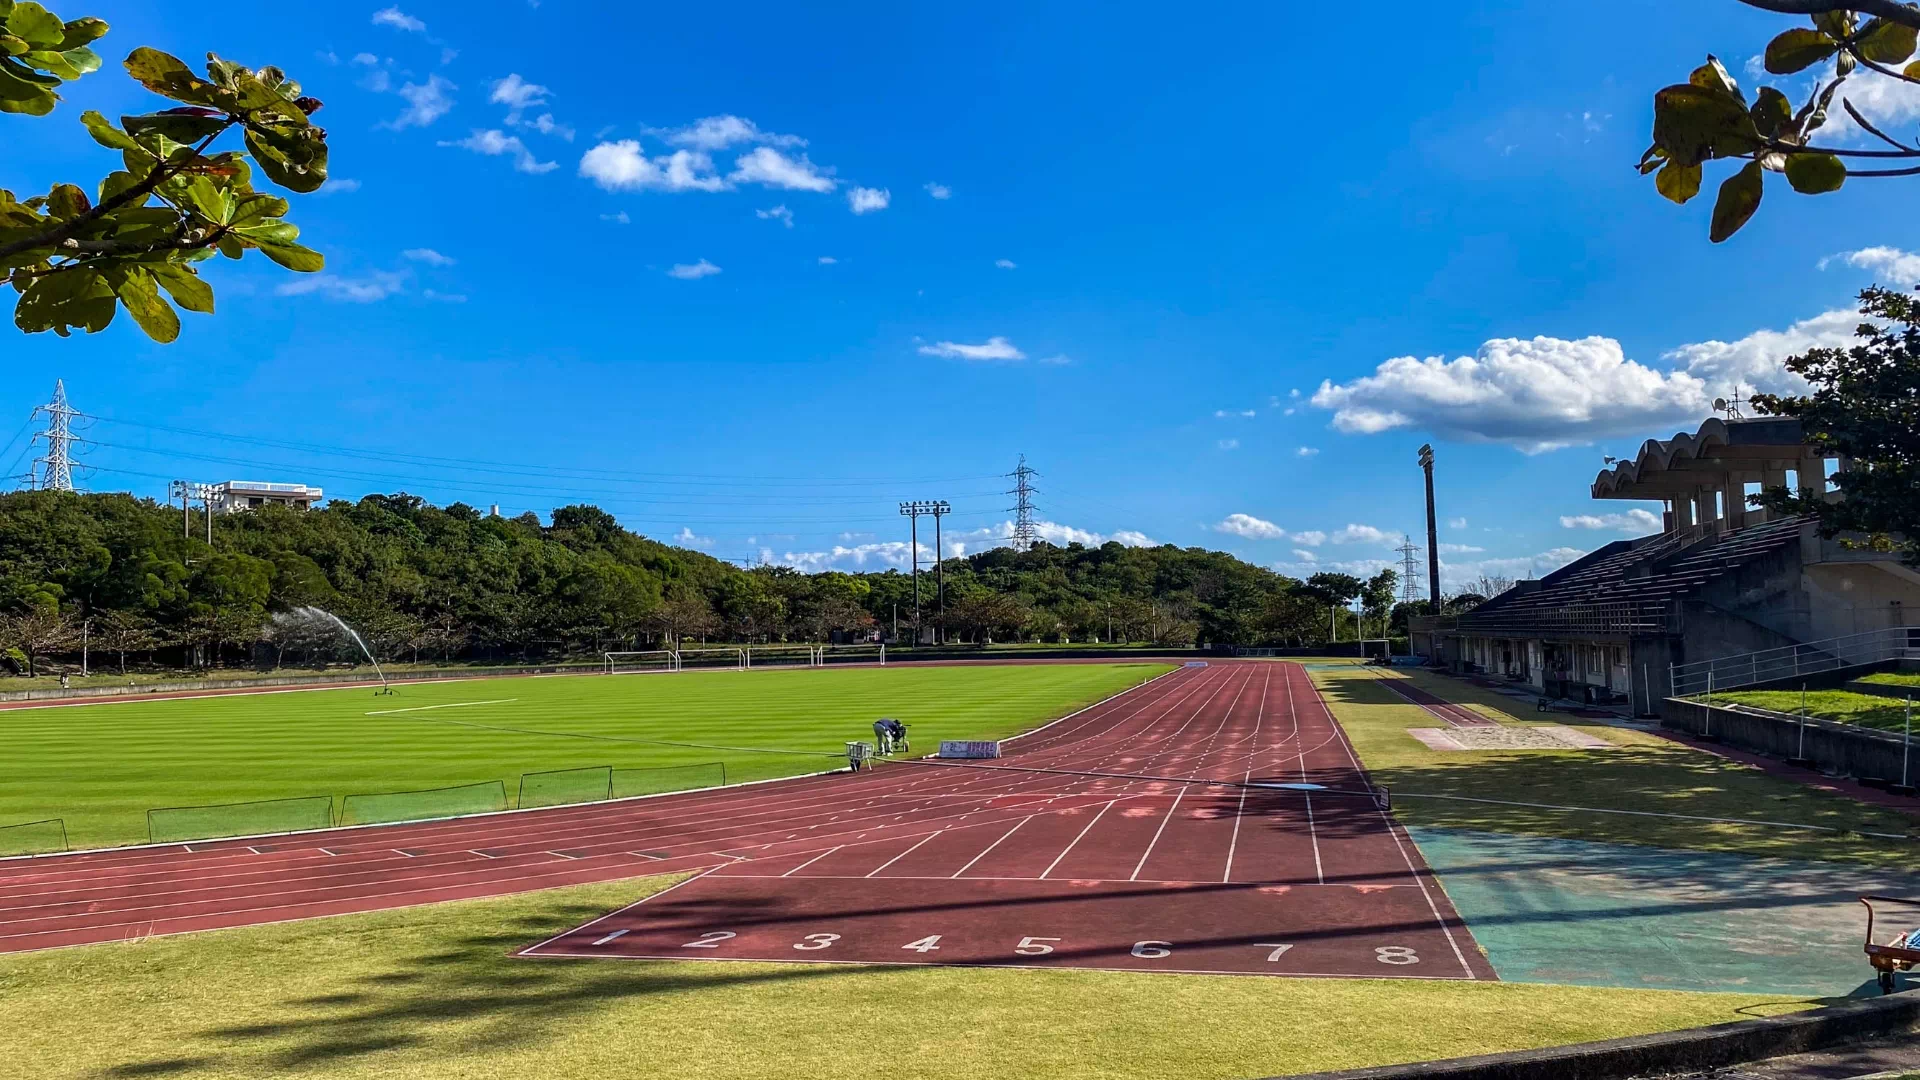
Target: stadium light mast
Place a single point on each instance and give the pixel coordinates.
(936, 508)
(1433, 533)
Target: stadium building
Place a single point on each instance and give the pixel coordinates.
(1721, 580)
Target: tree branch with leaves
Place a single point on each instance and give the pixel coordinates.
(76, 258)
(1709, 118)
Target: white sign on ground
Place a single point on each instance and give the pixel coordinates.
(957, 748)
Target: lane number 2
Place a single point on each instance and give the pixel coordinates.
(1396, 954)
(710, 940)
(819, 941)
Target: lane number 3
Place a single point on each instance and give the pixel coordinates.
(816, 941)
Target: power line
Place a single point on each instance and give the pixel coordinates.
(1024, 533)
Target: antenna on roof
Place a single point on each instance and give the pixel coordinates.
(1730, 405)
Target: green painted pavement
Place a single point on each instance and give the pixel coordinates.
(1569, 911)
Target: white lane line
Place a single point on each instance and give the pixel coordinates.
(1266, 680)
(1077, 839)
(610, 937)
(408, 854)
(904, 854)
(995, 844)
(1171, 810)
(482, 854)
(453, 705)
(811, 861)
(1319, 871)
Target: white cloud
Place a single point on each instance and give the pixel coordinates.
(397, 19)
(850, 537)
(1363, 534)
(1057, 359)
(1306, 451)
(827, 260)
(1754, 361)
(619, 218)
(339, 185)
(377, 285)
(720, 132)
(770, 168)
(1006, 264)
(1537, 394)
(1228, 444)
(1056, 533)
(939, 191)
(686, 538)
(379, 80)
(1460, 549)
(546, 125)
(694, 271)
(1225, 414)
(1888, 103)
(1305, 556)
(426, 255)
(866, 200)
(1633, 521)
(517, 94)
(995, 348)
(1311, 538)
(1250, 527)
(779, 213)
(1901, 266)
(445, 297)
(425, 102)
(493, 143)
(447, 55)
(365, 59)
(622, 166)
(1457, 523)
(842, 556)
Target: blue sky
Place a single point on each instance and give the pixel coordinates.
(748, 278)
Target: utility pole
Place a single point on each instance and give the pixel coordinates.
(1433, 533)
(55, 467)
(1024, 533)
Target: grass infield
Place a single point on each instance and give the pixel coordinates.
(432, 992)
(102, 767)
(1642, 772)
(1839, 706)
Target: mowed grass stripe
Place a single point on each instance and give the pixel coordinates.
(101, 768)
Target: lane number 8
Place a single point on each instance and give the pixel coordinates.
(1395, 954)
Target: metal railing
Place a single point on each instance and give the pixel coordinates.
(1794, 661)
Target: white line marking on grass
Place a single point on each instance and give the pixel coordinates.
(610, 937)
(454, 705)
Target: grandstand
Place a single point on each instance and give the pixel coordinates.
(1721, 578)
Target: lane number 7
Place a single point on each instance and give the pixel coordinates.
(1278, 950)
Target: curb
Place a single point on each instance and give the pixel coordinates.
(1669, 1052)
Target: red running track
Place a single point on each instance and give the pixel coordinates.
(912, 863)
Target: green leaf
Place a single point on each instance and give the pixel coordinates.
(167, 75)
(1798, 49)
(1678, 182)
(293, 256)
(141, 297)
(205, 196)
(1712, 75)
(270, 232)
(1694, 123)
(83, 59)
(1771, 111)
(1739, 198)
(20, 96)
(81, 31)
(257, 209)
(1815, 174)
(1835, 23)
(1886, 42)
(184, 286)
(1814, 113)
(105, 133)
(36, 25)
(296, 160)
(231, 246)
(13, 46)
(67, 201)
(181, 127)
(63, 299)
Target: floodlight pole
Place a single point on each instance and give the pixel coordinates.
(1433, 533)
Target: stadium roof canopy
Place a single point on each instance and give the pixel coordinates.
(1666, 468)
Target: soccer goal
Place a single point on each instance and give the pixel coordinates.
(853, 654)
(713, 658)
(633, 663)
(1372, 647)
(783, 656)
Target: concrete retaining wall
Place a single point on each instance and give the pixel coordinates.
(1839, 749)
(1673, 1051)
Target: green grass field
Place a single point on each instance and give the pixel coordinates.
(431, 992)
(1839, 706)
(101, 767)
(1642, 772)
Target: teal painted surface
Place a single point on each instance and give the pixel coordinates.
(1570, 911)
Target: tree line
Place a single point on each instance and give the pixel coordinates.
(119, 579)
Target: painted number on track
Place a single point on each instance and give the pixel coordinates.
(1153, 950)
(710, 940)
(816, 941)
(1034, 946)
(1278, 950)
(930, 943)
(1395, 954)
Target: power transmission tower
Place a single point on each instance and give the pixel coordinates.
(1407, 549)
(53, 471)
(1024, 533)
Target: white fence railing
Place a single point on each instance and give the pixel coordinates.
(1793, 661)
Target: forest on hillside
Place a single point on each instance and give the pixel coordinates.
(118, 576)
